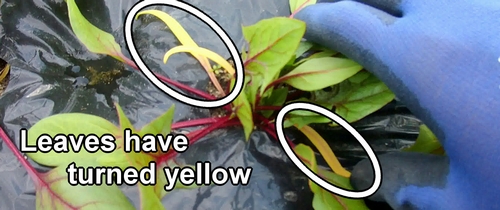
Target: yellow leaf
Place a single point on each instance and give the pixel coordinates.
(186, 40)
(4, 72)
(202, 51)
(325, 150)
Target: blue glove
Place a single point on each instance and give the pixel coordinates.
(440, 58)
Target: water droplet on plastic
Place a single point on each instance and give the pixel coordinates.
(76, 69)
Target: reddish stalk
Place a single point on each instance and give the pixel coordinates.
(270, 128)
(175, 83)
(31, 170)
(300, 8)
(194, 136)
(180, 85)
(197, 122)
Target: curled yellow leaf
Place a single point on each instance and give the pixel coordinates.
(182, 35)
(4, 72)
(202, 51)
(325, 150)
(174, 26)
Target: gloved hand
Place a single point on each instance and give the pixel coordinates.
(440, 58)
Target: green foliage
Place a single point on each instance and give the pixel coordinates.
(270, 47)
(95, 39)
(243, 111)
(160, 125)
(356, 97)
(69, 123)
(55, 193)
(426, 142)
(319, 73)
(296, 5)
(322, 198)
(280, 68)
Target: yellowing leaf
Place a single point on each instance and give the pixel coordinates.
(325, 150)
(322, 198)
(185, 40)
(202, 51)
(4, 72)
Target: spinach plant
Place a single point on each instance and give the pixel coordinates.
(280, 67)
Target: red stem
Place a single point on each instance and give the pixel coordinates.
(175, 83)
(191, 123)
(194, 136)
(179, 85)
(300, 8)
(31, 171)
(271, 129)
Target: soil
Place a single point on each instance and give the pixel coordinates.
(105, 78)
(224, 79)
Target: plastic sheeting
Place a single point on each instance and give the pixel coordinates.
(52, 72)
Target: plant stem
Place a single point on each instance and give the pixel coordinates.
(191, 123)
(194, 136)
(31, 170)
(270, 128)
(180, 85)
(176, 84)
(300, 8)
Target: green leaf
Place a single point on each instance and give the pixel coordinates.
(299, 4)
(331, 201)
(252, 85)
(243, 112)
(123, 119)
(148, 195)
(308, 112)
(304, 46)
(322, 198)
(426, 142)
(65, 124)
(321, 54)
(356, 97)
(277, 98)
(118, 158)
(54, 192)
(95, 39)
(307, 155)
(319, 73)
(271, 47)
(162, 180)
(160, 125)
(304, 120)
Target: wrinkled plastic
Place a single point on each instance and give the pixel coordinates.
(50, 74)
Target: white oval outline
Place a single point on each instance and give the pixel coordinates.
(310, 174)
(240, 75)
